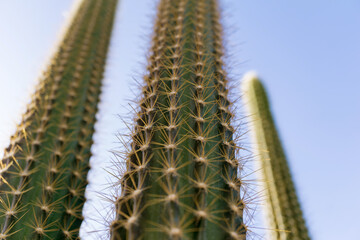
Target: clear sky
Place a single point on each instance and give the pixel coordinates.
(306, 52)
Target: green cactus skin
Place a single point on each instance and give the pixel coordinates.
(283, 209)
(181, 179)
(43, 172)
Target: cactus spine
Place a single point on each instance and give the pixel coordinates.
(43, 172)
(181, 179)
(283, 208)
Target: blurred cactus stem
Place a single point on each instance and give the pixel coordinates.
(284, 215)
(183, 167)
(43, 171)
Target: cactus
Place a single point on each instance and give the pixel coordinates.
(283, 209)
(43, 171)
(181, 178)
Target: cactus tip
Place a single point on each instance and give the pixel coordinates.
(247, 79)
(249, 76)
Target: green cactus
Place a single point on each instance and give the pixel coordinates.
(283, 209)
(43, 172)
(181, 178)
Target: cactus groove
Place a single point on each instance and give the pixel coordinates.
(43, 171)
(181, 179)
(283, 209)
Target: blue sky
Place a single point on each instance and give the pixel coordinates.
(306, 52)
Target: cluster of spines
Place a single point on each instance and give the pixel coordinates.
(283, 209)
(181, 179)
(237, 199)
(44, 169)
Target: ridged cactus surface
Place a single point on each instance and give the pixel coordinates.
(181, 179)
(43, 172)
(283, 209)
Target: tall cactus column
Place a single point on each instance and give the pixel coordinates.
(283, 209)
(181, 179)
(43, 172)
